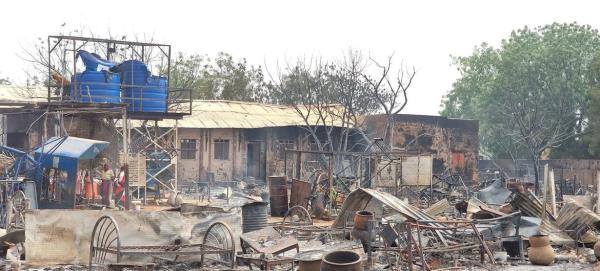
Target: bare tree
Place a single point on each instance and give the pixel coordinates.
(390, 90)
(537, 124)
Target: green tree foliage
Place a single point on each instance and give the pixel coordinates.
(219, 78)
(532, 90)
(530, 94)
(592, 137)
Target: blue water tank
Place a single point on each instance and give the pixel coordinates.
(94, 62)
(150, 98)
(96, 87)
(134, 73)
(142, 91)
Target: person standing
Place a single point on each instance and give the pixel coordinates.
(120, 191)
(107, 180)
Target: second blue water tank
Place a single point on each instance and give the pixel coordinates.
(150, 98)
(141, 91)
(96, 87)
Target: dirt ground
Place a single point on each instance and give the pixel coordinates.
(564, 266)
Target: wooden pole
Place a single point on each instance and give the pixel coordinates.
(598, 191)
(545, 193)
(552, 188)
(126, 155)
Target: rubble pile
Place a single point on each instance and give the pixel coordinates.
(498, 227)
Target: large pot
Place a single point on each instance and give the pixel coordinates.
(361, 220)
(541, 255)
(539, 241)
(342, 260)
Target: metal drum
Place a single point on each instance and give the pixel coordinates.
(300, 193)
(278, 195)
(254, 216)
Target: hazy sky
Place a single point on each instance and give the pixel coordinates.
(422, 33)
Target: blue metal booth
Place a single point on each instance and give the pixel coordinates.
(58, 168)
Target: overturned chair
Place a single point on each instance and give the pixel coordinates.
(217, 245)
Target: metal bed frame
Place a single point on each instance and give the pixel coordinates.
(106, 240)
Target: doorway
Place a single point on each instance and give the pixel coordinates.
(255, 164)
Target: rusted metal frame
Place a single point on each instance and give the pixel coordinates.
(483, 244)
(81, 46)
(99, 40)
(264, 264)
(367, 154)
(150, 252)
(140, 55)
(483, 247)
(424, 265)
(156, 138)
(439, 233)
(169, 77)
(50, 50)
(410, 242)
(77, 90)
(381, 169)
(156, 178)
(310, 228)
(453, 249)
(304, 212)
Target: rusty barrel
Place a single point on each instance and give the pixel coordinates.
(342, 260)
(278, 195)
(300, 193)
(254, 216)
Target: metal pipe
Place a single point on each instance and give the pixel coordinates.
(126, 156)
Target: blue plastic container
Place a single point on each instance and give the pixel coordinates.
(141, 91)
(94, 62)
(96, 87)
(151, 98)
(134, 73)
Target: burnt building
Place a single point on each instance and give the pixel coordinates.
(453, 143)
(233, 140)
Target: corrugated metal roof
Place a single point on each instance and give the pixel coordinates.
(361, 197)
(236, 114)
(530, 205)
(12, 93)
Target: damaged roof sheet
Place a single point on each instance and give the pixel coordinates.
(530, 205)
(246, 115)
(360, 198)
(576, 220)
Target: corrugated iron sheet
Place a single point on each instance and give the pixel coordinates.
(530, 205)
(576, 220)
(437, 208)
(13, 93)
(236, 114)
(363, 198)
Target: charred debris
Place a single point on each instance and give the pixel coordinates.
(115, 170)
